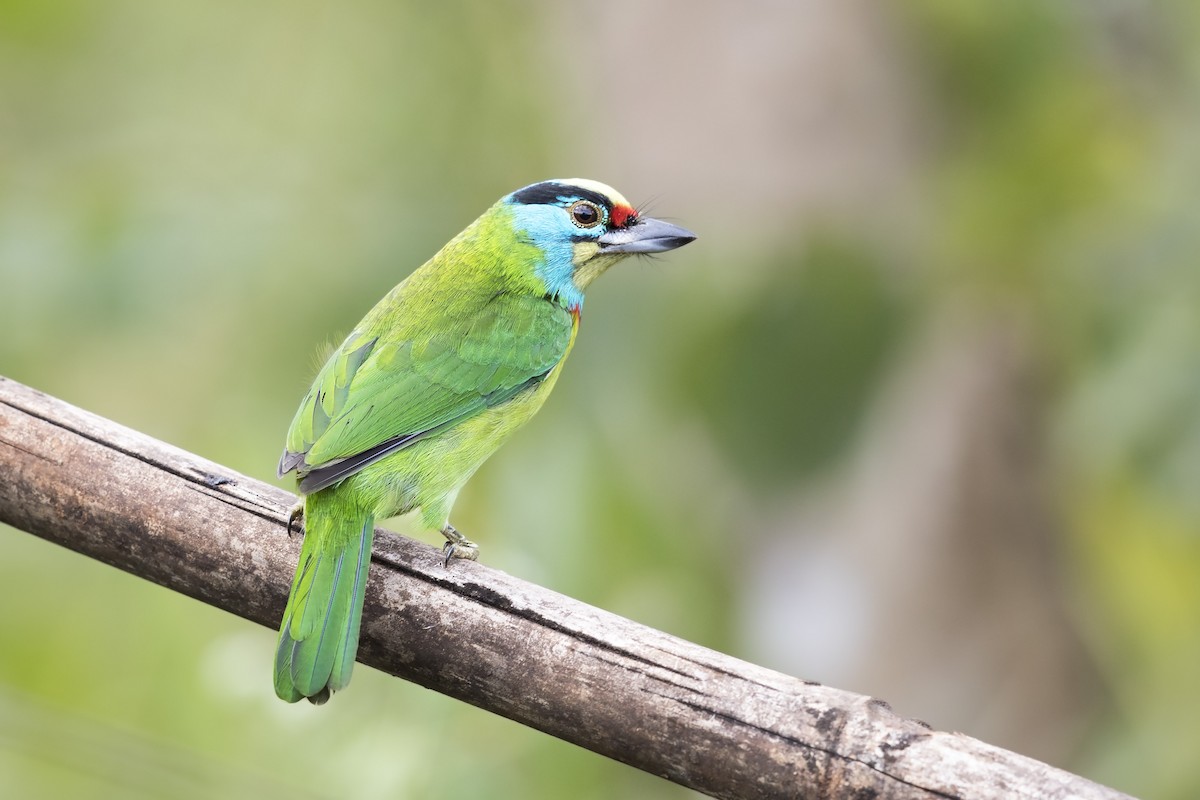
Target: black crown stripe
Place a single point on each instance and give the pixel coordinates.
(549, 192)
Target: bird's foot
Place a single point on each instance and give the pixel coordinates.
(296, 514)
(458, 546)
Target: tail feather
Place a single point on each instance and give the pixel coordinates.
(347, 646)
(318, 639)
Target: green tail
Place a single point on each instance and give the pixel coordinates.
(319, 636)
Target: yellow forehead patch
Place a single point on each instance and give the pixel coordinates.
(615, 197)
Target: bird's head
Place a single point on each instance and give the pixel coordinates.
(582, 228)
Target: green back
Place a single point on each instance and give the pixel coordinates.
(466, 331)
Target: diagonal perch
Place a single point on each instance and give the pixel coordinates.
(667, 706)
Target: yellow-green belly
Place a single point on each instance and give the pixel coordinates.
(429, 473)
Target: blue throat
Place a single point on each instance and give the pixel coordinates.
(556, 270)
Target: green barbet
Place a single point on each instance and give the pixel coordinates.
(427, 386)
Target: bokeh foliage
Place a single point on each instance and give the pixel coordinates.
(193, 198)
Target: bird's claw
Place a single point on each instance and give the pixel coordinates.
(458, 546)
(296, 513)
(453, 550)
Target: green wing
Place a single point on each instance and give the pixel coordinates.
(383, 390)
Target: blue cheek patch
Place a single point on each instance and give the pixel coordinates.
(549, 229)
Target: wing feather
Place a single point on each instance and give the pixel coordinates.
(383, 390)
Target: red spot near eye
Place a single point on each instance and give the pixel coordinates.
(623, 216)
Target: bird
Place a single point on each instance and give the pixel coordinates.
(428, 385)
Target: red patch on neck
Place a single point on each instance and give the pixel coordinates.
(576, 312)
(623, 216)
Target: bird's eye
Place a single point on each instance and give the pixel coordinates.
(585, 214)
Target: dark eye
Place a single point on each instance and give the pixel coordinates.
(585, 214)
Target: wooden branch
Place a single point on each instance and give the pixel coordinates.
(664, 705)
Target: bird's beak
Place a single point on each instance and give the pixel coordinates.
(647, 235)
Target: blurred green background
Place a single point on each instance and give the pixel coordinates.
(918, 416)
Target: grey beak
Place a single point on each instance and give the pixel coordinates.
(647, 235)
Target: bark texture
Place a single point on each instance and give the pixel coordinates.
(664, 705)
